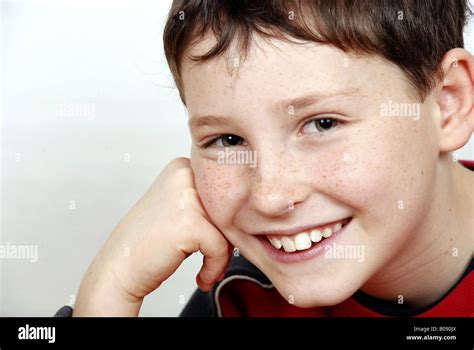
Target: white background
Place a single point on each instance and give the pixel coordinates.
(122, 123)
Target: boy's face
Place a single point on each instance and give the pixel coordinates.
(372, 160)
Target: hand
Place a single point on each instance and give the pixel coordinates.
(167, 225)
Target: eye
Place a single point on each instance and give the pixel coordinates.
(320, 125)
(226, 141)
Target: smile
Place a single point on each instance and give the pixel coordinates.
(306, 239)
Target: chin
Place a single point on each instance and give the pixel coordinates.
(315, 294)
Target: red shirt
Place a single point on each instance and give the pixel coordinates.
(239, 298)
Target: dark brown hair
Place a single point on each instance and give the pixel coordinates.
(413, 34)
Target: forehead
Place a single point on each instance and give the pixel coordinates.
(273, 70)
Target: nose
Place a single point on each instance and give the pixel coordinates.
(277, 185)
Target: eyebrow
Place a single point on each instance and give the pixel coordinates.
(308, 100)
(296, 103)
(208, 120)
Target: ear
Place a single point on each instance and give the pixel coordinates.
(455, 100)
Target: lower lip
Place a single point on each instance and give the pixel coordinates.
(302, 255)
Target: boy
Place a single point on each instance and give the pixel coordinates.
(353, 207)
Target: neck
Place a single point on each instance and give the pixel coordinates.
(441, 248)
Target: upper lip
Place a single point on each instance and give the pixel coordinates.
(294, 230)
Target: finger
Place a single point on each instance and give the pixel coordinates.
(216, 258)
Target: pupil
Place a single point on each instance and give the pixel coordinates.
(325, 123)
(231, 140)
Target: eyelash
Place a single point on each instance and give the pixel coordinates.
(243, 142)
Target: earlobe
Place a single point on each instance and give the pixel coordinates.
(455, 100)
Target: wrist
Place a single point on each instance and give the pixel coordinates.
(101, 294)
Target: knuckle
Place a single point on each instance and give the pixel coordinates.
(184, 173)
(180, 162)
(221, 247)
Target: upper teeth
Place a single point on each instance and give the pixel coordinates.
(303, 240)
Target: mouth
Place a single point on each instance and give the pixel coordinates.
(304, 240)
(305, 244)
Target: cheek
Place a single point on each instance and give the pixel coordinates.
(218, 188)
(382, 171)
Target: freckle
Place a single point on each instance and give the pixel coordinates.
(422, 172)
